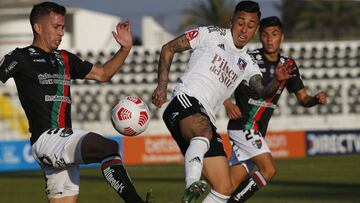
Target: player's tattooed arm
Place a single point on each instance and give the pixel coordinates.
(263, 92)
(167, 53)
(166, 56)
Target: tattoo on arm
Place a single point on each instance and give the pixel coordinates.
(263, 92)
(179, 44)
(167, 53)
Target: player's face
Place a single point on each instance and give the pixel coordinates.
(271, 38)
(243, 27)
(51, 31)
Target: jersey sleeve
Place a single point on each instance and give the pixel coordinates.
(295, 84)
(79, 68)
(10, 64)
(197, 37)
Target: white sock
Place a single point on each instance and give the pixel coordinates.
(194, 158)
(215, 197)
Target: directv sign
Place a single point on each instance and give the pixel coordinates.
(333, 142)
(16, 155)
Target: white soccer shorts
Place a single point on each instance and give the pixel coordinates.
(245, 145)
(58, 152)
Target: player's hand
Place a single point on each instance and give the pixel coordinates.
(321, 97)
(232, 110)
(123, 35)
(284, 71)
(159, 96)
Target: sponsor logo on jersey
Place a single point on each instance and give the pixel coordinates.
(192, 34)
(258, 57)
(222, 46)
(241, 64)
(57, 98)
(211, 29)
(33, 52)
(220, 67)
(39, 60)
(261, 103)
(10, 67)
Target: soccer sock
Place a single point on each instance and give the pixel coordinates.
(215, 197)
(248, 188)
(116, 175)
(194, 157)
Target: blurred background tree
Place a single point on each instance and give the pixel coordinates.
(210, 12)
(302, 19)
(320, 19)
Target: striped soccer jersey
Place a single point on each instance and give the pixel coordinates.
(43, 82)
(257, 113)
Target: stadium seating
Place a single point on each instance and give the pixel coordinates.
(330, 66)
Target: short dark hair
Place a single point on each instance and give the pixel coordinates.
(45, 8)
(249, 7)
(270, 21)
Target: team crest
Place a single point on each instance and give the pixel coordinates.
(257, 143)
(241, 64)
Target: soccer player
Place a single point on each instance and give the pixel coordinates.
(249, 118)
(218, 63)
(43, 75)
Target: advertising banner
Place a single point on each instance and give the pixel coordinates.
(287, 144)
(333, 142)
(150, 149)
(16, 155)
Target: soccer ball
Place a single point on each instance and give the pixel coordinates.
(130, 116)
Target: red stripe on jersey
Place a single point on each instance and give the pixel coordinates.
(261, 110)
(66, 89)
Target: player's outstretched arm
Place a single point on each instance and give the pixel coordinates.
(282, 72)
(306, 100)
(166, 56)
(123, 37)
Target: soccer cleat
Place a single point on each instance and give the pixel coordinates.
(194, 191)
(149, 197)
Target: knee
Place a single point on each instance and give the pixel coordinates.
(95, 148)
(110, 148)
(225, 189)
(269, 172)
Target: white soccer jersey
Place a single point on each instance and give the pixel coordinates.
(216, 67)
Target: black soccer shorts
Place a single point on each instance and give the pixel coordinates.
(180, 107)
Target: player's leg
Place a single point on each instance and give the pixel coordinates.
(196, 129)
(98, 149)
(69, 199)
(249, 145)
(266, 165)
(62, 185)
(217, 172)
(62, 175)
(256, 180)
(191, 129)
(239, 173)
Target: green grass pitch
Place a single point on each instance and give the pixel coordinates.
(326, 179)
